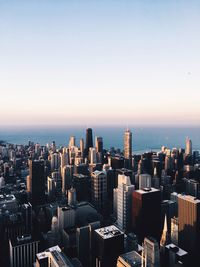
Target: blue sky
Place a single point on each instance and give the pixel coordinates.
(100, 62)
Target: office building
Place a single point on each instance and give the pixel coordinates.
(106, 239)
(89, 141)
(23, 251)
(144, 181)
(175, 257)
(67, 176)
(146, 213)
(130, 259)
(53, 257)
(27, 217)
(128, 148)
(151, 252)
(124, 202)
(189, 226)
(188, 146)
(99, 190)
(36, 182)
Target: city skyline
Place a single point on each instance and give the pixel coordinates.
(99, 63)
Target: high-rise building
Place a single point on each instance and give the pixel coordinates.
(92, 155)
(99, 189)
(82, 185)
(23, 251)
(99, 144)
(175, 257)
(144, 181)
(83, 244)
(67, 176)
(188, 146)
(55, 161)
(124, 202)
(128, 148)
(109, 244)
(174, 231)
(130, 259)
(27, 216)
(53, 257)
(82, 147)
(89, 140)
(151, 252)
(36, 182)
(72, 141)
(128, 144)
(147, 213)
(189, 226)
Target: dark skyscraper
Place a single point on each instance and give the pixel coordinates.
(89, 140)
(36, 182)
(147, 213)
(109, 244)
(189, 226)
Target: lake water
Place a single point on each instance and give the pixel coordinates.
(144, 139)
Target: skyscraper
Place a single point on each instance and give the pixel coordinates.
(124, 202)
(144, 181)
(82, 147)
(109, 244)
(36, 182)
(89, 140)
(128, 148)
(99, 144)
(189, 226)
(99, 189)
(151, 252)
(147, 213)
(188, 146)
(23, 251)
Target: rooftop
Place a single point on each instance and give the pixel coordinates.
(180, 252)
(147, 190)
(132, 258)
(108, 232)
(189, 198)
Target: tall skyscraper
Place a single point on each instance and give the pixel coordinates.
(23, 251)
(36, 182)
(144, 181)
(89, 140)
(151, 253)
(147, 213)
(188, 146)
(127, 144)
(189, 226)
(128, 148)
(72, 141)
(99, 144)
(99, 189)
(124, 202)
(82, 147)
(109, 244)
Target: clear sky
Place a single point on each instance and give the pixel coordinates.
(100, 62)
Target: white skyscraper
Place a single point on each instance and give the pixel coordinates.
(124, 200)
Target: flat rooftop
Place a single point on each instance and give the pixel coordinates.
(108, 232)
(180, 252)
(147, 190)
(132, 258)
(189, 198)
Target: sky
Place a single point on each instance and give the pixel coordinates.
(99, 62)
